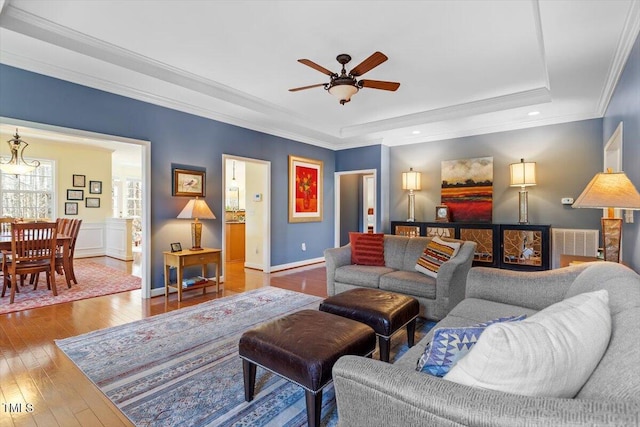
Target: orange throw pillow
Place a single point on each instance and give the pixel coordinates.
(367, 248)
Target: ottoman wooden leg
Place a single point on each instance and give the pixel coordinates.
(314, 407)
(385, 347)
(249, 372)
(411, 331)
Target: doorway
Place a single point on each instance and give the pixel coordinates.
(102, 140)
(359, 186)
(246, 191)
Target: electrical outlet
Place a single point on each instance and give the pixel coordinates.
(628, 216)
(303, 247)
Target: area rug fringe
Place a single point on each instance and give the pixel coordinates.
(182, 368)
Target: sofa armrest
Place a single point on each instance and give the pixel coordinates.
(334, 258)
(370, 392)
(452, 279)
(531, 289)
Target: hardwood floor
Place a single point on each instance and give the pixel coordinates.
(39, 386)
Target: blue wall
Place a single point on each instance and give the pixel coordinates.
(177, 138)
(625, 107)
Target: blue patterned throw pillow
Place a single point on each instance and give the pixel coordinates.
(449, 345)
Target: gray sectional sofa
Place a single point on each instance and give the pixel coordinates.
(436, 296)
(370, 392)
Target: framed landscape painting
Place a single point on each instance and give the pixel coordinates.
(467, 189)
(305, 189)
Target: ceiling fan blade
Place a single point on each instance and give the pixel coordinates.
(371, 62)
(379, 84)
(315, 66)
(295, 89)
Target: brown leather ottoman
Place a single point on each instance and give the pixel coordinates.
(385, 312)
(302, 347)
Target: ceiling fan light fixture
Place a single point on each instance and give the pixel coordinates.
(343, 92)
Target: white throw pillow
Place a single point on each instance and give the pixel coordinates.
(552, 353)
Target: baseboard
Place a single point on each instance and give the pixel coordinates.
(296, 264)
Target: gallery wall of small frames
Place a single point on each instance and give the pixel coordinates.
(76, 194)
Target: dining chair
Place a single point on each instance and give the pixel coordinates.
(5, 228)
(5, 224)
(33, 250)
(72, 229)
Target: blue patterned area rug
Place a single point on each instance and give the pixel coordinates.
(182, 368)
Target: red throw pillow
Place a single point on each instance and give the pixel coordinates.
(367, 248)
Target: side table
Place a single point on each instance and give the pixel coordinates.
(186, 258)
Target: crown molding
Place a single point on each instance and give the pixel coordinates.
(628, 37)
(27, 24)
(489, 105)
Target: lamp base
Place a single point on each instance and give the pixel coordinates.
(196, 236)
(611, 236)
(523, 207)
(412, 207)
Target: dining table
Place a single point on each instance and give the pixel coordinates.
(62, 240)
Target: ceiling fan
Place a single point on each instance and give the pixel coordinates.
(344, 85)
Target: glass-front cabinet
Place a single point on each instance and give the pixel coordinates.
(510, 246)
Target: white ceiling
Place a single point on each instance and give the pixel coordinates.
(465, 67)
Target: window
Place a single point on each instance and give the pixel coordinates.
(134, 198)
(115, 197)
(29, 195)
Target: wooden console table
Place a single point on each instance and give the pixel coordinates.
(187, 258)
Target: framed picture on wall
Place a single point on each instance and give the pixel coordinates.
(188, 183)
(79, 180)
(75, 194)
(71, 208)
(92, 202)
(95, 187)
(305, 189)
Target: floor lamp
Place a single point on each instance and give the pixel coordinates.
(411, 182)
(610, 190)
(196, 209)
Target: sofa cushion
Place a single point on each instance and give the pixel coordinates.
(551, 354)
(435, 254)
(409, 283)
(367, 248)
(361, 275)
(448, 345)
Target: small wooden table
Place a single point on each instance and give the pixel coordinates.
(187, 258)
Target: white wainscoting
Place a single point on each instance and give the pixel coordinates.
(119, 238)
(91, 240)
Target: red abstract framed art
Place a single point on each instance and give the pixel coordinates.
(305, 189)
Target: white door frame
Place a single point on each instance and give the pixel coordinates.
(266, 199)
(365, 204)
(336, 179)
(145, 262)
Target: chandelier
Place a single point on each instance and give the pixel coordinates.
(17, 165)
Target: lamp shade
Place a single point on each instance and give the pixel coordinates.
(411, 180)
(523, 174)
(609, 190)
(196, 209)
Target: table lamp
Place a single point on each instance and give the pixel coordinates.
(411, 182)
(196, 209)
(610, 190)
(523, 175)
